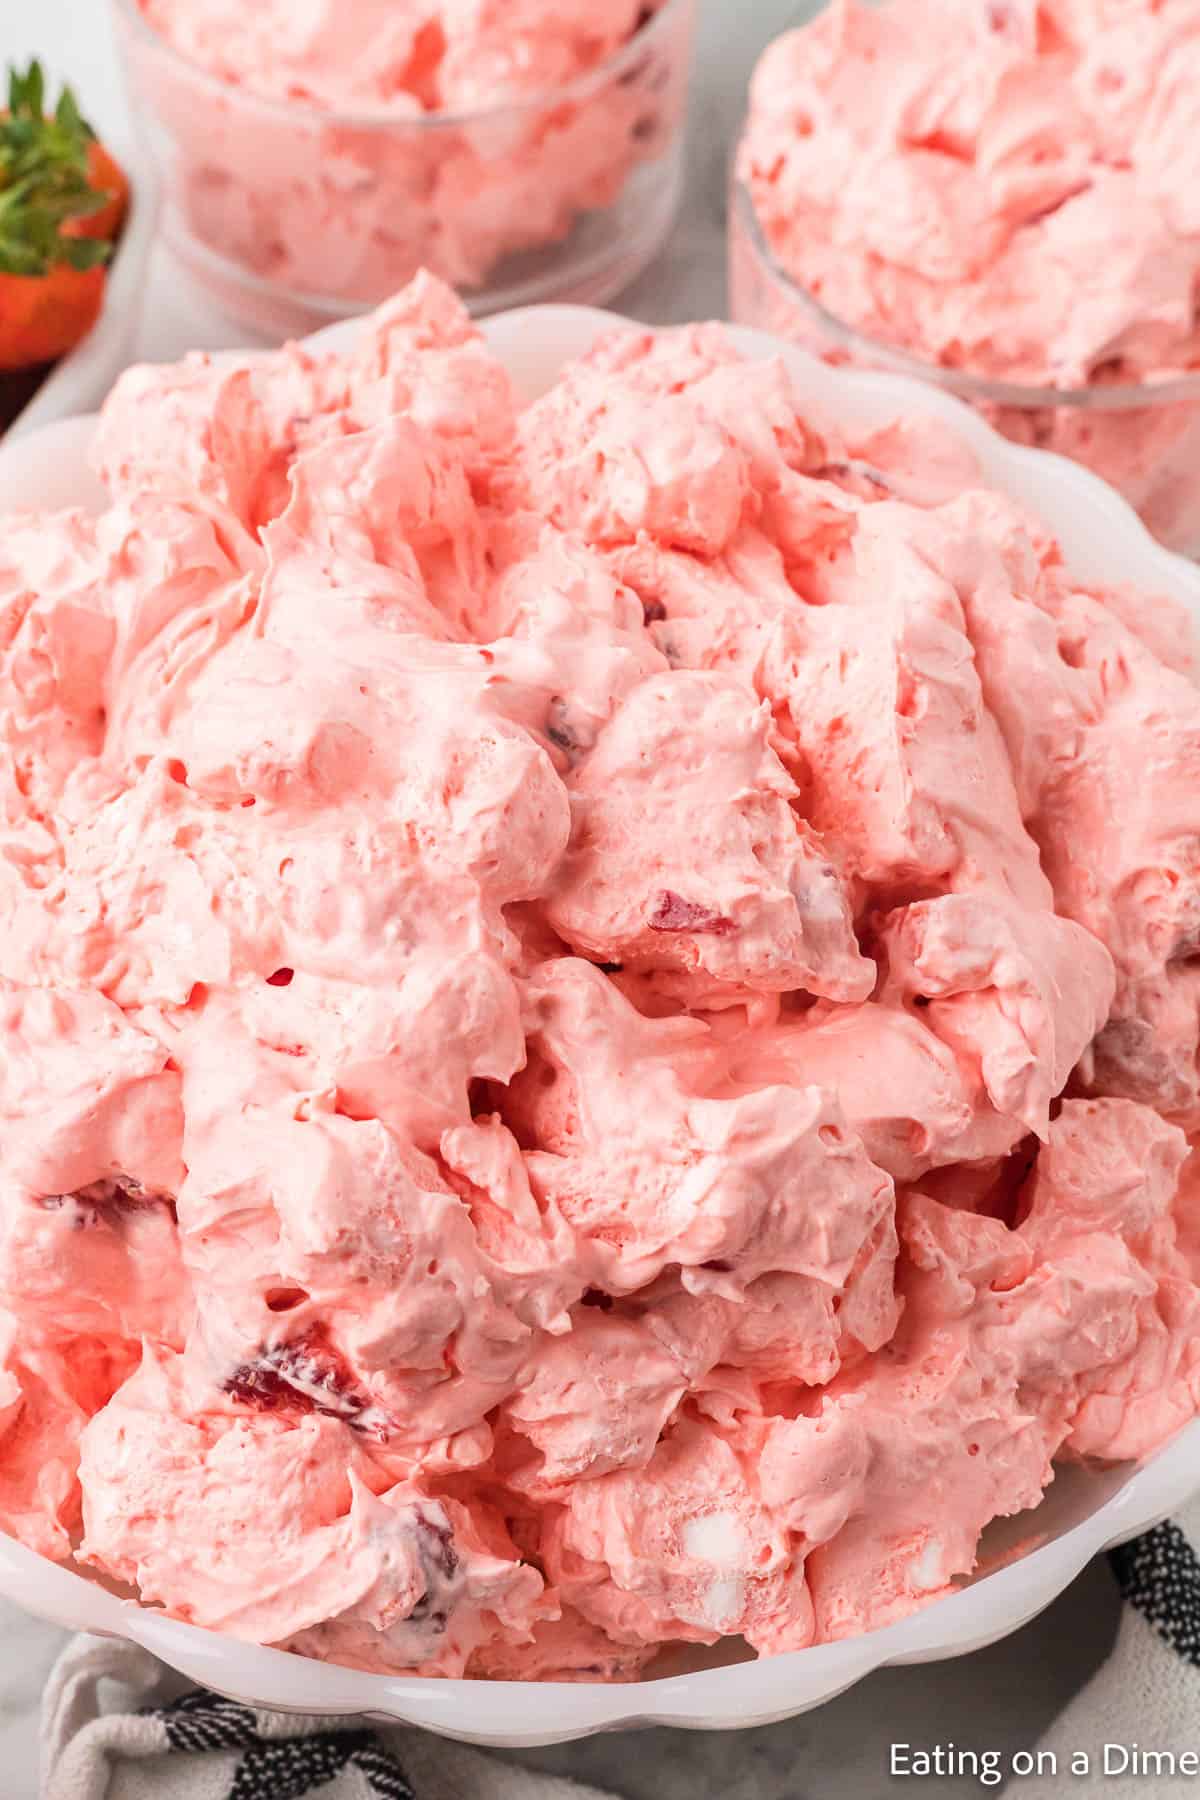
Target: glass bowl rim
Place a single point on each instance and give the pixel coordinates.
(580, 86)
(979, 389)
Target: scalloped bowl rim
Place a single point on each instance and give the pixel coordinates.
(1103, 540)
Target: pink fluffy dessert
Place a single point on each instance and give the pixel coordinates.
(1006, 189)
(600, 1008)
(414, 55)
(328, 152)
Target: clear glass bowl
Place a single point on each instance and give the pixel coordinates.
(293, 217)
(1143, 439)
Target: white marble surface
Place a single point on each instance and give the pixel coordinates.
(1000, 1698)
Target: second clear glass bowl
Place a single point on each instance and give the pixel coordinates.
(293, 216)
(1143, 439)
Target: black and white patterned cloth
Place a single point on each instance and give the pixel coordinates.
(114, 1730)
(116, 1727)
(1159, 1574)
(199, 1724)
(1146, 1694)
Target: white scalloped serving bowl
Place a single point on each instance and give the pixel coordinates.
(1084, 1512)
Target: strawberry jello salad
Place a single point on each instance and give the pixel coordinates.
(600, 1008)
(1008, 192)
(316, 156)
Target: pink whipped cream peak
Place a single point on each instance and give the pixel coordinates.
(402, 56)
(598, 1007)
(997, 185)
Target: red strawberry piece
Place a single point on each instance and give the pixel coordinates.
(107, 1201)
(439, 1565)
(305, 1374)
(671, 912)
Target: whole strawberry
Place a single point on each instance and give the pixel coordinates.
(62, 202)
